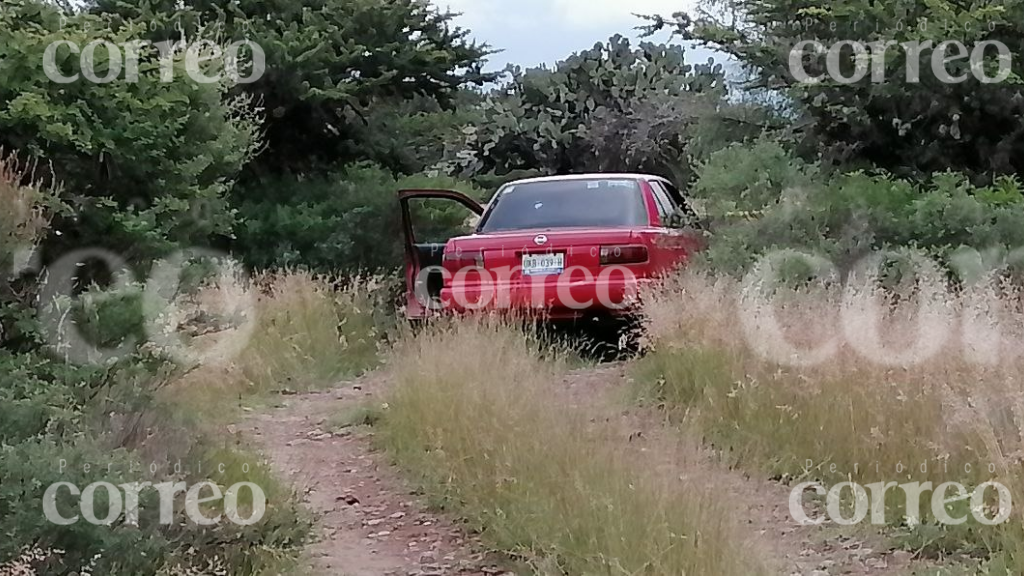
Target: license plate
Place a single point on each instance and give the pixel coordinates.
(543, 264)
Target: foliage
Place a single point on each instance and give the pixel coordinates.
(145, 164)
(331, 64)
(109, 420)
(910, 128)
(23, 225)
(107, 417)
(764, 198)
(344, 221)
(407, 137)
(614, 107)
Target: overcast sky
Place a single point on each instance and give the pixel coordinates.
(532, 32)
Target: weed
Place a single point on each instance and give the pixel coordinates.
(471, 416)
(849, 418)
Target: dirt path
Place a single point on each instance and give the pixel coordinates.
(764, 505)
(371, 525)
(369, 522)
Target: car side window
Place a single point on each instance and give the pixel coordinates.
(665, 208)
(682, 214)
(672, 215)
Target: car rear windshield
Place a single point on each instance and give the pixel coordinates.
(567, 204)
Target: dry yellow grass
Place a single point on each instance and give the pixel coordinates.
(22, 216)
(472, 415)
(310, 331)
(903, 413)
(303, 332)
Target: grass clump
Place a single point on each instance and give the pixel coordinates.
(311, 331)
(471, 414)
(855, 416)
(303, 332)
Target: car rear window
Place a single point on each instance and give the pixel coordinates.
(566, 204)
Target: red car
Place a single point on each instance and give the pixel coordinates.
(563, 247)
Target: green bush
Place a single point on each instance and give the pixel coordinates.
(28, 468)
(345, 221)
(762, 198)
(148, 163)
(615, 107)
(111, 420)
(107, 416)
(108, 319)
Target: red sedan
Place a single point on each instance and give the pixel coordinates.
(563, 247)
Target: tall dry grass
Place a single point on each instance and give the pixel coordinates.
(472, 415)
(22, 217)
(899, 412)
(303, 332)
(23, 222)
(311, 331)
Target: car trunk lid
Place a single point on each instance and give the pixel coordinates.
(502, 253)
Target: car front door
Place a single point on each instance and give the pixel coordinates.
(425, 228)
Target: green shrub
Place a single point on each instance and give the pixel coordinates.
(344, 221)
(748, 177)
(56, 418)
(107, 416)
(763, 199)
(28, 468)
(109, 319)
(149, 162)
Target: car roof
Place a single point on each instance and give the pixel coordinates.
(592, 176)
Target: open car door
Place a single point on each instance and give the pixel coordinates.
(426, 234)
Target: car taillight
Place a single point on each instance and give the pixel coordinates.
(623, 255)
(459, 259)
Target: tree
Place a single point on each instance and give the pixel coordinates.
(346, 220)
(905, 126)
(330, 64)
(613, 107)
(145, 165)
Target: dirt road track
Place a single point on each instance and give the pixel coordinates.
(762, 505)
(371, 525)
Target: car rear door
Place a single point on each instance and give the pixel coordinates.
(424, 255)
(681, 233)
